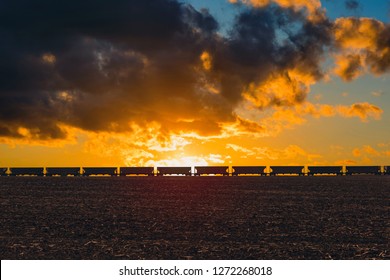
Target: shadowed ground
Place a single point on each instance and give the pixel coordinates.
(195, 218)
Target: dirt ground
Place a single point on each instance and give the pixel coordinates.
(195, 218)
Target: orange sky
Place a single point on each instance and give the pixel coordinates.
(286, 85)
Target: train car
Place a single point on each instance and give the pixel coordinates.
(248, 170)
(363, 170)
(125, 171)
(62, 171)
(212, 170)
(3, 171)
(161, 171)
(27, 171)
(325, 170)
(287, 170)
(99, 171)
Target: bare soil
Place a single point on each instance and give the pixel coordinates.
(195, 218)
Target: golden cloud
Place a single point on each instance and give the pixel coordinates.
(294, 153)
(49, 58)
(362, 44)
(357, 33)
(206, 60)
(281, 89)
(364, 111)
(288, 117)
(367, 154)
(240, 149)
(349, 66)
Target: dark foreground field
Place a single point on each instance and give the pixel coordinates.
(195, 218)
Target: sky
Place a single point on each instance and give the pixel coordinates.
(194, 82)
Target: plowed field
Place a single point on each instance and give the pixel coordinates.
(195, 218)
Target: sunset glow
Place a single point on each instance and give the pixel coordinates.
(187, 83)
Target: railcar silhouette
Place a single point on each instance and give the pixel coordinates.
(198, 171)
(325, 170)
(287, 170)
(99, 171)
(360, 170)
(3, 171)
(27, 171)
(128, 171)
(212, 170)
(62, 171)
(161, 171)
(248, 170)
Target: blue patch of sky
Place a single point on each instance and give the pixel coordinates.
(225, 12)
(367, 88)
(379, 9)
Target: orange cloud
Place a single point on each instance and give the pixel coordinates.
(180, 161)
(206, 60)
(349, 66)
(248, 127)
(345, 162)
(367, 154)
(371, 151)
(293, 153)
(283, 117)
(361, 110)
(271, 121)
(240, 149)
(356, 152)
(281, 89)
(366, 150)
(357, 33)
(362, 45)
(49, 58)
(138, 147)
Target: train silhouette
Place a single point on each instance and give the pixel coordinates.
(197, 171)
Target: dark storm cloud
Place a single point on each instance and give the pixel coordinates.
(101, 49)
(380, 59)
(352, 4)
(97, 65)
(270, 41)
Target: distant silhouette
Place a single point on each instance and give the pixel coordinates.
(174, 171)
(325, 170)
(363, 170)
(287, 170)
(3, 171)
(27, 171)
(198, 171)
(94, 171)
(62, 171)
(248, 170)
(212, 170)
(124, 171)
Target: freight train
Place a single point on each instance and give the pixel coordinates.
(197, 171)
